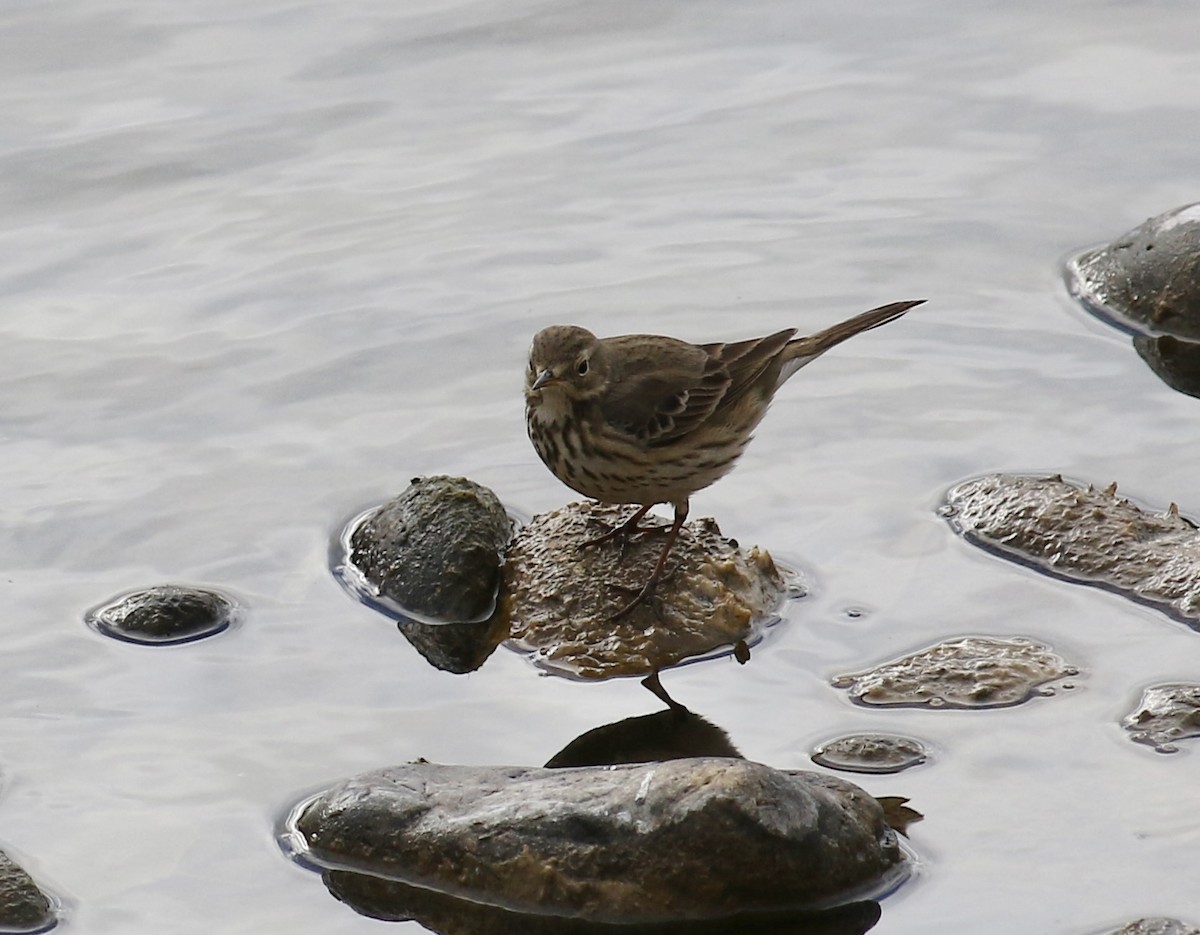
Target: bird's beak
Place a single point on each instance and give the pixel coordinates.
(542, 379)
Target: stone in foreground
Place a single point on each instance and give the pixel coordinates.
(23, 906)
(1084, 534)
(559, 599)
(434, 551)
(164, 614)
(1166, 714)
(972, 672)
(1149, 278)
(684, 839)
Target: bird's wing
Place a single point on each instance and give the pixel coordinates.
(661, 388)
(748, 361)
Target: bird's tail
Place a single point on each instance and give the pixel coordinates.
(804, 350)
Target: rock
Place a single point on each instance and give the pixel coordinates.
(1147, 279)
(664, 735)
(972, 672)
(393, 901)
(559, 600)
(685, 839)
(434, 551)
(870, 753)
(1157, 926)
(1086, 535)
(164, 614)
(23, 906)
(1166, 713)
(1175, 361)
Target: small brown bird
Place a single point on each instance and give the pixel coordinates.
(646, 419)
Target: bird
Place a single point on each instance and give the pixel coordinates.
(643, 419)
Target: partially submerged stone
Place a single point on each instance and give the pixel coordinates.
(1165, 715)
(684, 839)
(23, 906)
(1084, 534)
(1157, 926)
(164, 614)
(559, 599)
(1149, 278)
(434, 551)
(870, 753)
(971, 672)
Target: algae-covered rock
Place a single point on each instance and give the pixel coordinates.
(691, 838)
(164, 614)
(560, 599)
(1165, 715)
(1149, 278)
(972, 672)
(1084, 534)
(23, 906)
(435, 550)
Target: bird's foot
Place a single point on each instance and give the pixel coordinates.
(655, 687)
(625, 532)
(646, 594)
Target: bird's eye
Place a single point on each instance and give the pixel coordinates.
(582, 367)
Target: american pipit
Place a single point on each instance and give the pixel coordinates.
(646, 419)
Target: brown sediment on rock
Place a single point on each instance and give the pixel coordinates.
(1165, 715)
(972, 672)
(690, 838)
(1084, 534)
(870, 753)
(560, 599)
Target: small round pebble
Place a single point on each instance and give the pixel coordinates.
(870, 753)
(164, 614)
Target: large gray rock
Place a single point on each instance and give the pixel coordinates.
(434, 551)
(690, 838)
(1148, 278)
(23, 906)
(1084, 534)
(559, 600)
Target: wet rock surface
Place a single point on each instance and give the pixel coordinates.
(1084, 534)
(1149, 278)
(23, 906)
(434, 551)
(1166, 714)
(164, 614)
(559, 600)
(685, 839)
(1156, 926)
(971, 672)
(870, 753)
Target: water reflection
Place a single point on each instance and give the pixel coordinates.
(1176, 361)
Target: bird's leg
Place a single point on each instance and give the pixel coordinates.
(647, 591)
(624, 532)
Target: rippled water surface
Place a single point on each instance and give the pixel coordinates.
(261, 264)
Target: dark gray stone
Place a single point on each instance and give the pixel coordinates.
(23, 906)
(1175, 361)
(1084, 534)
(164, 614)
(1149, 278)
(690, 838)
(435, 550)
(559, 600)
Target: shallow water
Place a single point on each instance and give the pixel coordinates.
(260, 266)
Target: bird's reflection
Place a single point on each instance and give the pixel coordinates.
(665, 735)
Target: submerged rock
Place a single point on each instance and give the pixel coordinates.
(870, 753)
(435, 550)
(1147, 279)
(684, 839)
(1157, 926)
(1166, 714)
(1086, 535)
(164, 614)
(23, 906)
(972, 672)
(559, 600)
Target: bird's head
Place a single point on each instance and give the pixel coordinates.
(566, 360)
